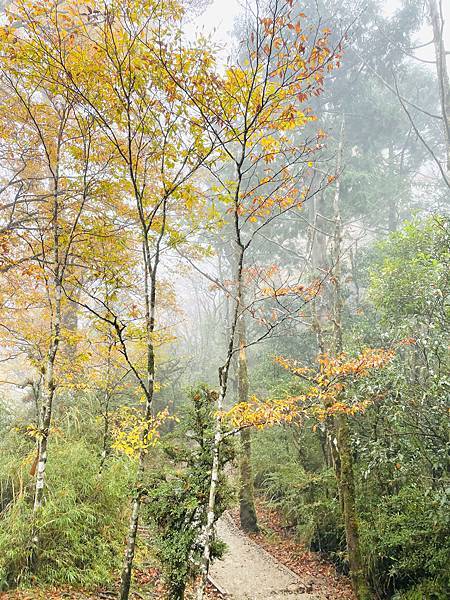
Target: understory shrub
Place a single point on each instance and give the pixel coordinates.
(308, 502)
(176, 501)
(406, 545)
(81, 526)
(294, 481)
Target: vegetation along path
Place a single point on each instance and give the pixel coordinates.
(248, 572)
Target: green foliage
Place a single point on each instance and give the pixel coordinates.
(425, 589)
(293, 477)
(405, 541)
(177, 493)
(404, 436)
(400, 444)
(81, 525)
(402, 441)
(410, 278)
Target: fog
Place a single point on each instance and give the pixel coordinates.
(224, 298)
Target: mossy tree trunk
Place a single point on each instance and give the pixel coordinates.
(247, 511)
(346, 485)
(344, 467)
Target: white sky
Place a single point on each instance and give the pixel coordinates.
(220, 15)
(218, 20)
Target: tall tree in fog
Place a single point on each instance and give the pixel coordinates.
(252, 113)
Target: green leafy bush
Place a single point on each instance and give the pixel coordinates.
(176, 502)
(308, 502)
(293, 478)
(405, 542)
(425, 589)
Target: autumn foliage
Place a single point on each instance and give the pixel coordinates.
(324, 395)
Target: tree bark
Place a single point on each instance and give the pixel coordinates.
(127, 566)
(208, 532)
(344, 460)
(437, 23)
(346, 482)
(150, 280)
(54, 294)
(125, 579)
(47, 404)
(105, 412)
(247, 511)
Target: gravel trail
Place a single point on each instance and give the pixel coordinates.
(248, 572)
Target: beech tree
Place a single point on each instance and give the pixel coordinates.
(171, 220)
(56, 139)
(250, 113)
(107, 60)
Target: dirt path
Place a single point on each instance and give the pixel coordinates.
(248, 572)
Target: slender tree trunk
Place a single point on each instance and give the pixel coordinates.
(47, 406)
(336, 279)
(70, 321)
(106, 440)
(125, 579)
(437, 23)
(247, 511)
(150, 279)
(208, 532)
(127, 567)
(105, 409)
(344, 459)
(106, 402)
(317, 255)
(55, 292)
(393, 194)
(346, 482)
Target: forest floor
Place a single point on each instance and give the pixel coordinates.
(272, 565)
(247, 571)
(269, 565)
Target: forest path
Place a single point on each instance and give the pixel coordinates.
(248, 572)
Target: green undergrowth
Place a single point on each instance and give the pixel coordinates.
(81, 527)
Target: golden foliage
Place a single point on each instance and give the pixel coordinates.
(324, 396)
(133, 434)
